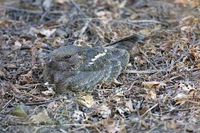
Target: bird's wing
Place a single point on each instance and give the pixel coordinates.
(95, 59)
(102, 65)
(86, 80)
(120, 55)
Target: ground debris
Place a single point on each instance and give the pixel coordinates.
(159, 91)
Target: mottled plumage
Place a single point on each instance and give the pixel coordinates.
(81, 68)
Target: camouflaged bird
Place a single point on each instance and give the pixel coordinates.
(80, 68)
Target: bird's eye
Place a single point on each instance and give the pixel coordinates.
(67, 56)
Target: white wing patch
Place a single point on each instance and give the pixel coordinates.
(97, 57)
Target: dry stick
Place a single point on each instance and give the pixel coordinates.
(121, 21)
(31, 95)
(36, 124)
(170, 68)
(185, 109)
(145, 57)
(85, 27)
(82, 127)
(27, 86)
(61, 12)
(21, 10)
(138, 21)
(146, 71)
(130, 22)
(155, 127)
(149, 110)
(82, 30)
(87, 22)
(7, 104)
(41, 103)
(194, 102)
(31, 11)
(94, 125)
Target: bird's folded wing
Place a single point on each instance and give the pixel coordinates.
(86, 79)
(96, 59)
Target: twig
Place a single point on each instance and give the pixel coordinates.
(84, 15)
(147, 71)
(82, 127)
(146, 58)
(131, 22)
(155, 127)
(27, 86)
(194, 102)
(185, 109)
(7, 104)
(149, 110)
(21, 10)
(84, 28)
(40, 103)
(138, 21)
(31, 11)
(78, 8)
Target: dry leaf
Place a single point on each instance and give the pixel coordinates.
(105, 16)
(12, 66)
(47, 32)
(111, 126)
(192, 3)
(153, 84)
(180, 98)
(48, 92)
(61, 1)
(195, 53)
(122, 111)
(78, 115)
(123, 127)
(17, 45)
(189, 21)
(145, 32)
(152, 94)
(2, 74)
(86, 100)
(166, 46)
(183, 2)
(186, 88)
(104, 111)
(145, 124)
(47, 4)
(172, 124)
(19, 112)
(41, 117)
(129, 105)
(42, 31)
(143, 110)
(6, 23)
(26, 78)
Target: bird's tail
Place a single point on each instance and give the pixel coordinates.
(128, 43)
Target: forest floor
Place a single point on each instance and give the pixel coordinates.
(160, 91)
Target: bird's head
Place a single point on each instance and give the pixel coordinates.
(64, 57)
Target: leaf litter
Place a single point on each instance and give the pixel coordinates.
(159, 91)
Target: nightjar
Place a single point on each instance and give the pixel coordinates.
(80, 68)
